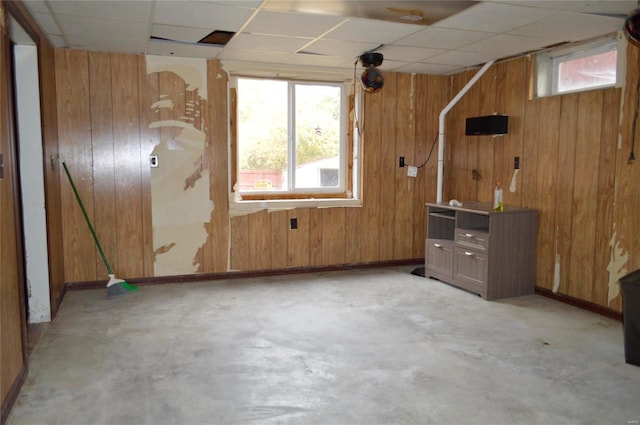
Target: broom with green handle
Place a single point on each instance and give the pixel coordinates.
(115, 287)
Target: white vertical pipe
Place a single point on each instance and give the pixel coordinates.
(441, 125)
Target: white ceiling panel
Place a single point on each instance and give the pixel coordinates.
(570, 26)
(272, 43)
(319, 60)
(37, 6)
(339, 48)
(293, 24)
(48, 23)
(105, 29)
(249, 55)
(123, 45)
(202, 15)
(443, 38)
(170, 32)
(405, 52)
(182, 50)
(507, 45)
(326, 34)
(368, 30)
(136, 11)
(459, 58)
(493, 17)
(57, 41)
(427, 68)
(567, 5)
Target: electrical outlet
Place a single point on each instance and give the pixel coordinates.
(412, 171)
(293, 224)
(401, 162)
(516, 163)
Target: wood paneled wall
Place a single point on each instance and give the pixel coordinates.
(93, 105)
(574, 170)
(12, 320)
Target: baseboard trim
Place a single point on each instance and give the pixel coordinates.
(576, 302)
(243, 274)
(12, 395)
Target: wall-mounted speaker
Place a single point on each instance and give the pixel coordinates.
(492, 125)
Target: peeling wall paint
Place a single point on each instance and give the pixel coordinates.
(180, 189)
(617, 266)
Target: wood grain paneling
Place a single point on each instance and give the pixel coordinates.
(127, 175)
(12, 315)
(74, 135)
(404, 186)
(103, 156)
(572, 172)
(391, 148)
(372, 186)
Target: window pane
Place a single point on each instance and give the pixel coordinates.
(317, 130)
(587, 72)
(262, 135)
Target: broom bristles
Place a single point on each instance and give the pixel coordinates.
(118, 287)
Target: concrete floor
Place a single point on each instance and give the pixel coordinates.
(358, 347)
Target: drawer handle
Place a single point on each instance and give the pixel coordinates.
(468, 254)
(437, 245)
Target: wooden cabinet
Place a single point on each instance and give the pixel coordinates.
(473, 247)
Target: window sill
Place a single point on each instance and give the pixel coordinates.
(239, 207)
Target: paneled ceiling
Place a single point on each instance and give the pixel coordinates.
(425, 37)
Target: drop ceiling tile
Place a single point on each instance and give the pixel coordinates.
(493, 17)
(570, 26)
(507, 45)
(96, 29)
(406, 53)
(183, 50)
(575, 5)
(293, 24)
(443, 38)
(36, 6)
(47, 23)
(427, 68)
(319, 60)
(271, 43)
(101, 44)
(248, 55)
(221, 17)
(369, 30)
(253, 4)
(611, 7)
(57, 41)
(339, 48)
(170, 32)
(388, 65)
(458, 58)
(134, 11)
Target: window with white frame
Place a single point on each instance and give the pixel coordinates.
(290, 139)
(580, 67)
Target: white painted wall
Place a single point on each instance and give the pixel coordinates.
(32, 182)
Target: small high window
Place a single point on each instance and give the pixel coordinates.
(580, 67)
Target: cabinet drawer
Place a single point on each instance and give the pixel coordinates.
(476, 239)
(439, 258)
(470, 267)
